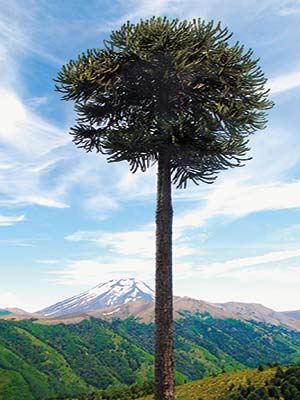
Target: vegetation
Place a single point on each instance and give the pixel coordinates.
(69, 361)
(175, 93)
(13, 386)
(277, 383)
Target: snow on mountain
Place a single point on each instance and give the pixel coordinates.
(105, 295)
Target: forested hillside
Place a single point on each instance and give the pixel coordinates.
(57, 361)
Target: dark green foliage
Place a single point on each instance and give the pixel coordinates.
(128, 393)
(172, 86)
(247, 344)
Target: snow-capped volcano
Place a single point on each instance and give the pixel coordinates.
(105, 295)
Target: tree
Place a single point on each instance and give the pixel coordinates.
(173, 93)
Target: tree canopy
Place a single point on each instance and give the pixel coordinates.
(162, 85)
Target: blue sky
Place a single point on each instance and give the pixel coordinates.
(69, 220)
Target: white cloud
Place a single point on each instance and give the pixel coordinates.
(149, 8)
(139, 185)
(289, 7)
(40, 201)
(285, 275)
(139, 243)
(223, 268)
(34, 153)
(25, 132)
(91, 272)
(29, 143)
(9, 220)
(190, 9)
(100, 206)
(283, 83)
(238, 200)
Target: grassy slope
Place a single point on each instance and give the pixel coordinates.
(213, 387)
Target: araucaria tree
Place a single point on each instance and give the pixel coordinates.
(175, 93)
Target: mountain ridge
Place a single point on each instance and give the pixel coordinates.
(119, 299)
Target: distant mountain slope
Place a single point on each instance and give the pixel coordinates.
(105, 295)
(130, 297)
(144, 310)
(260, 313)
(291, 314)
(13, 313)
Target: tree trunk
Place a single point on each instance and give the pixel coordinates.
(164, 353)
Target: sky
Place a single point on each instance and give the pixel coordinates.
(69, 220)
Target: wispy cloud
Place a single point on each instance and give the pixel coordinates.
(38, 163)
(223, 268)
(30, 145)
(89, 271)
(237, 200)
(213, 9)
(283, 83)
(10, 220)
(289, 7)
(17, 242)
(100, 206)
(139, 243)
(286, 275)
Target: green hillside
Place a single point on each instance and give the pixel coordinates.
(13, 386)
(270, 384)
(57, 361)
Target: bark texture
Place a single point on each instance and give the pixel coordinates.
(164, 347)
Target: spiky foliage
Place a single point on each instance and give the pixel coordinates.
(172, 86)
